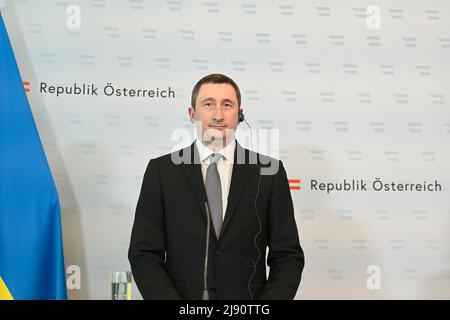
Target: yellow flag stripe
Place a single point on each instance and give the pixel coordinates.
(128, 291)
(4, 292)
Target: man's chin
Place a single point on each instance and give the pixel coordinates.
(218, 141)
(219, 133)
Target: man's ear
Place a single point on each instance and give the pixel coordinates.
(191, 112)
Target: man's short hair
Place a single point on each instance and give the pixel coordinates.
(214, 78)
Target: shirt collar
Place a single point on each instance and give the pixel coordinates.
(227, 152)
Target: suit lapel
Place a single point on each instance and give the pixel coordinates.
(192, 170)
(193, 173)
(239, 179)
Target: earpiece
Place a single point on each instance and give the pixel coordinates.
(241, 117)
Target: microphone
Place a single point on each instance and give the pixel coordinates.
(250, 262)
(205, 271)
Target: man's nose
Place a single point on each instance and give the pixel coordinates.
(218, 114)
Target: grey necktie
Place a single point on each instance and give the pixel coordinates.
(214, 193)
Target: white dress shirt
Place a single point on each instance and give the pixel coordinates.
(224, 166)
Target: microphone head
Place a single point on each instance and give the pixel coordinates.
(241, 117)
(205, 295)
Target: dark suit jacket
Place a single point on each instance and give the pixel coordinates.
(167, 248)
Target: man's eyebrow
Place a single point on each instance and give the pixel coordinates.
(208, 99)
(227, 100)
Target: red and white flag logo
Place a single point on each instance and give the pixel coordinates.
(294, 184)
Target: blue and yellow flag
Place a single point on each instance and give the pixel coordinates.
(31, 252)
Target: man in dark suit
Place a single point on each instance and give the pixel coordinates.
(249, 204)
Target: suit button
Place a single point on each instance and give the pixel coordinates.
(218, 253)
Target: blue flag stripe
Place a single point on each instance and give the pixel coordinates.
(31, 251)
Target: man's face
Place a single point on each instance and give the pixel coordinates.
(217, 110)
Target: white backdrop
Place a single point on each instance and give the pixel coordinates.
(354, 94)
